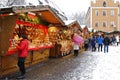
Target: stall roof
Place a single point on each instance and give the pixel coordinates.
(69, 22)
(50, 15)
(89, 29)
(45, 12)
(83, 26)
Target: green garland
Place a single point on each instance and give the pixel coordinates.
(35, 20)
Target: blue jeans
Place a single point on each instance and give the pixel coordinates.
(106, 48)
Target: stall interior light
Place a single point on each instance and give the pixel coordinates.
(11, 13)
(8, 14)
(40, 14)
(22, 14)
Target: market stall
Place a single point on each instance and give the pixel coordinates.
(66, 43)
(74, 27)
(53, 36)
(39, 43)
(62, 40)
(32, 21)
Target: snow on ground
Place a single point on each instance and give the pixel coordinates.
(108, 67)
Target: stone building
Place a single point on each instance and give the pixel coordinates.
(103, 15)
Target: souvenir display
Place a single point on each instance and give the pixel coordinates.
(53, 34)
(37, 35)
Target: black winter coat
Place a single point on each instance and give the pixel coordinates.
(106, 41)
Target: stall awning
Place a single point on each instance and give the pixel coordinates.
(46, 13)
(50, 16)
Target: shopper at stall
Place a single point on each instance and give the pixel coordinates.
(23, 52)
(106, 43)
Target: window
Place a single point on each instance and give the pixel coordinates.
(104, 4)
(112, 12)
(104, 24)
(112, 24)
(96, 12)
(104, 13)
(96, 24)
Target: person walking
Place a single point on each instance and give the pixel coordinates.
(93, 43)
(100, 42)
(113, 40)
(76, 49)
(75, 44)
(86, 44)
(22, 54)
(106, 42)
(117, 39)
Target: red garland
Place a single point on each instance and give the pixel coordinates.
(33, 25)
(30, 24)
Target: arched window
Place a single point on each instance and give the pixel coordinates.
(104, 4)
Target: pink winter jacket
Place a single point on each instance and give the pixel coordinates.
(23, 48)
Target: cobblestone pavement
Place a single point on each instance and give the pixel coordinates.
(86, 66)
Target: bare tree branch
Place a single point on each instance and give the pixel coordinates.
(80, 17)
(11, 2)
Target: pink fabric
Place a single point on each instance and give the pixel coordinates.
(23, 48)
(77, 39)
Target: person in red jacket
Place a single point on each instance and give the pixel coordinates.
(22, 54)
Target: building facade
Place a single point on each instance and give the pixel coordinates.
(103, 15)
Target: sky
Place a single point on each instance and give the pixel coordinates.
(70, 6)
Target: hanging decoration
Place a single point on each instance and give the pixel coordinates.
(33, 25)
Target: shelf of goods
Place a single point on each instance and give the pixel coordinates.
(66, 47)
(37, 35)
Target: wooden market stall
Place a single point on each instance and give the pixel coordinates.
(85, 32)
(67, 42)
(33, 22)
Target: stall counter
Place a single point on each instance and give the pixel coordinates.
(12, 51)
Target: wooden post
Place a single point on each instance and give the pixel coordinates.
(0, 66)
(7, 24)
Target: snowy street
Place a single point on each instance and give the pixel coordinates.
(87, 65)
